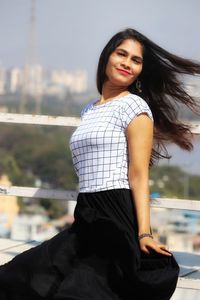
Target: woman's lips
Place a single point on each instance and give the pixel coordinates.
(124, 72)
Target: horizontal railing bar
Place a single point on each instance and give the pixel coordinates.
(31, 192)
(60, 121)
(187, 283)
(39, 119)
(176, 203)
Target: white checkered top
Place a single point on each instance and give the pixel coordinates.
(99, 145)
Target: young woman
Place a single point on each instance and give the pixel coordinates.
(109, 252)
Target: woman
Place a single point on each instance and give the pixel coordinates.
(109, 251)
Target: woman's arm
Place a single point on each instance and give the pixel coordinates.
(140, 138)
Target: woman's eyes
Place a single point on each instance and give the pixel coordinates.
(121, 53)
(135, 60)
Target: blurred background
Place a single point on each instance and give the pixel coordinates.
(48, 58)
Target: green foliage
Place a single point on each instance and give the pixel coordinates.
(194, 186)
(22, 206)
(8, 165)
(172, 181)
(29, 153)
(54, 208)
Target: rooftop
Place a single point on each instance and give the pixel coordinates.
(188, 287)
(189, 280)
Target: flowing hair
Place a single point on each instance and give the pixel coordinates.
(162, 89)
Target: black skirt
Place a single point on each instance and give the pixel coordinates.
(97, 258)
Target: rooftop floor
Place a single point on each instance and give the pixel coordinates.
(188, 287)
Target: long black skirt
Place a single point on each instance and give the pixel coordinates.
(97, 258)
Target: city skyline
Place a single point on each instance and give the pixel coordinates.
(34, 79)
(71, 34)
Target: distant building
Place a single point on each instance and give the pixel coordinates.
(2, 81)
(33, 79)
(196, 242)
(180, 241)
(174, 228)
(32, 227)
(79, 84)
(75, 82)
(15, 80)
(9, 207)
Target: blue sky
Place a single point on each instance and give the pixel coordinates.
(72, 33)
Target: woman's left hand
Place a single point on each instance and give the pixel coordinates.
(147, 244)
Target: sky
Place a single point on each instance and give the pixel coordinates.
(71, 34)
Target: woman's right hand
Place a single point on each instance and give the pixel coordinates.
(147, 244)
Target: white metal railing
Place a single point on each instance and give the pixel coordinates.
(58, 120)
(30, 192)
(38, 119)
(71, 195)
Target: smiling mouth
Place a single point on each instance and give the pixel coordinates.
(124, 72)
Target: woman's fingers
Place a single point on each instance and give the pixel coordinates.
(145, 250)
(162, 249)
(159, 248)
(165, 250)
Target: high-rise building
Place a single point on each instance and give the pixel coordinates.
(75, 82)
(33, 79)
(2, 81)
(15, 80)
(79, 84)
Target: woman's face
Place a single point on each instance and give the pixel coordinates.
(125, 63)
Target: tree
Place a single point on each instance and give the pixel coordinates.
(172, 181)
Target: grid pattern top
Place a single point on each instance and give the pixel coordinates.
(99, 145)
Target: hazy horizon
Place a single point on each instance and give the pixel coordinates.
(71, 34)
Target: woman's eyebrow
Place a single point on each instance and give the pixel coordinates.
(126, 52)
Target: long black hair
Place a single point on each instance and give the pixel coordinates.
(162, 88)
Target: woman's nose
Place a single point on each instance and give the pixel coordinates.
(126, 63)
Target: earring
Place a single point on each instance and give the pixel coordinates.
(138, 86)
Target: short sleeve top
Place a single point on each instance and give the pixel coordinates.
(99, 145)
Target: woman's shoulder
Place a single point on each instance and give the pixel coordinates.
(133, 99)
(133, 105)
(87, 107)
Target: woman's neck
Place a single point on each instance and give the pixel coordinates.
(109, 93)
